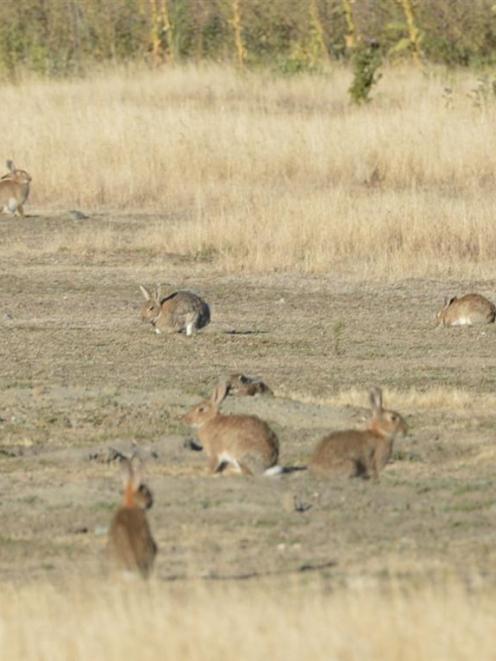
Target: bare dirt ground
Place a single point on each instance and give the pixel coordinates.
(81, 374)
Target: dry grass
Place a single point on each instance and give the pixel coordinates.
(266, 173)
(107, 622)
(255, 174)
(439, 398)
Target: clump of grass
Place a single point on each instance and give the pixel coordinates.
(457, 400)
(337, 331)
(105, 621)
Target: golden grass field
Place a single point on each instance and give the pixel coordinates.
(213, 623)
(325, 237)
(267, 173)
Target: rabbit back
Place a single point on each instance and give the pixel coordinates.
(14, 189)
(353, 452)
(467, 310)
(244, 439)
(12, 194)
(181, 309)
(131, 544)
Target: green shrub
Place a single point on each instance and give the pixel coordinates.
(366, 62)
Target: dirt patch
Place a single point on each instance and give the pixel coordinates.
(81, 374)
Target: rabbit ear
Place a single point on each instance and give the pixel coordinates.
(146, 293)
(375, 396)
(136, 471)
(10, 165)
(158, 290)
(131, 472)
(219, 394)
(126, 471)
(448, 300)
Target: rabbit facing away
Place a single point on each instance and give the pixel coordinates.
(180, 311)
(245, 443)
(130, 543)
(360, 453)
(468, 310)
(14, 189)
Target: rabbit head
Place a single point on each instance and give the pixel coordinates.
(136, 493)
(441, 314)
(384, 422)
(208, 409)
(151, 308)
(14, 174)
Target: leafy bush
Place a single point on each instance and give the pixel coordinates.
(366, 63)
(55, 37)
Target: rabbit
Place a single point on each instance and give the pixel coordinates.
(180, 311)
(360, 453)
(244, 442)
(243, 385)
(466, 311)
(130, 544)
(14, 189)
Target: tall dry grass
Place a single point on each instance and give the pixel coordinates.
(265, 173)
(105, 622)
(457, 401)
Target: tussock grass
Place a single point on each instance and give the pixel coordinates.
(265, 173)
(107, 622)
(456, 400)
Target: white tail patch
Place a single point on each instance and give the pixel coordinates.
(128, 575)
(274, 470)
(462, 321)
(12, 205)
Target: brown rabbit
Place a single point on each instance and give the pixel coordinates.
(14, 189)
(468, 310)
(360, 453)
(180, 311)
(246, 386)
(244, 442)
(130, 543)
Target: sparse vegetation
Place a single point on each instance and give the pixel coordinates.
(338, 330)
